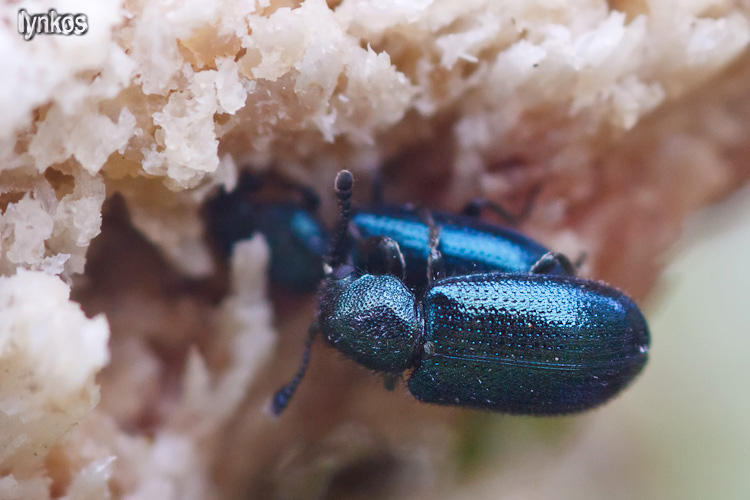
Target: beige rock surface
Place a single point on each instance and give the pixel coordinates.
(628, 115)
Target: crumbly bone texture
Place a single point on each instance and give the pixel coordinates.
(629, 115)
(49, 354)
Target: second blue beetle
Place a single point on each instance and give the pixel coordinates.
(466, 244)
(295, 235)
(298, 240)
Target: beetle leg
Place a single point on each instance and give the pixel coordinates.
(250, 182)
(376, 187)
(435, 257)
(475, 207)
(383, 256)
(390, 380)
(282, 397)
(310, 199)
(549, 260)
(580, 260)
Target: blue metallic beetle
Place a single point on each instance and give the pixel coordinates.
(466, 244)
(534, 344)
(298, 240)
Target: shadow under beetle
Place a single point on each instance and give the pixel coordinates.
(535, 344)
(377, 236)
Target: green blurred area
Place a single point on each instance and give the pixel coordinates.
(682, 431)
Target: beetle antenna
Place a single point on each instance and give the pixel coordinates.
(284, 395)
(344, 182)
